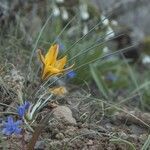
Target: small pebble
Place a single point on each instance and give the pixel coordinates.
(90, 142)
(59, 136)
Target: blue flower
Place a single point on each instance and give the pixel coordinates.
(111, 77)
(71, 74)
(23, 108)
(11, 127)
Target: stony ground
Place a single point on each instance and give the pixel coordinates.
(69, 134)
(78, 123)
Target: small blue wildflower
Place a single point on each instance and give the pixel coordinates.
(71, 74)
(23, 108)
(111, 77)
(11, 127)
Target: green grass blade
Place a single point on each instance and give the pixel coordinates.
(97, 78)
(119, 141)
(146, 145)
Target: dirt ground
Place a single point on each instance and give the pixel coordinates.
(79, 125)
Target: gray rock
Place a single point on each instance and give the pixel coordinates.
(136, 129)
(40, 145)
(55, 145)
(70, 131)
(143, 138)
(63, 113)
(59, 136)
(90, 142)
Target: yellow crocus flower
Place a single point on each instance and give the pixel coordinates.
(52, 66)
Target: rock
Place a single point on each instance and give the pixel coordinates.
(65, 140)
(55, 132)
(63, 113)
(136, 129)
(27, 136)
(70, 131)
(143, 138)
(39, 145)
(90, 142)
(55, 145)
(59, 136)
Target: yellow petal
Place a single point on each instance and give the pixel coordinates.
(53, 70)
(41, 57)
(45, 72)
(52, 66)
(60, 91)
(51, 56)
(49, 71)
(61, 63)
